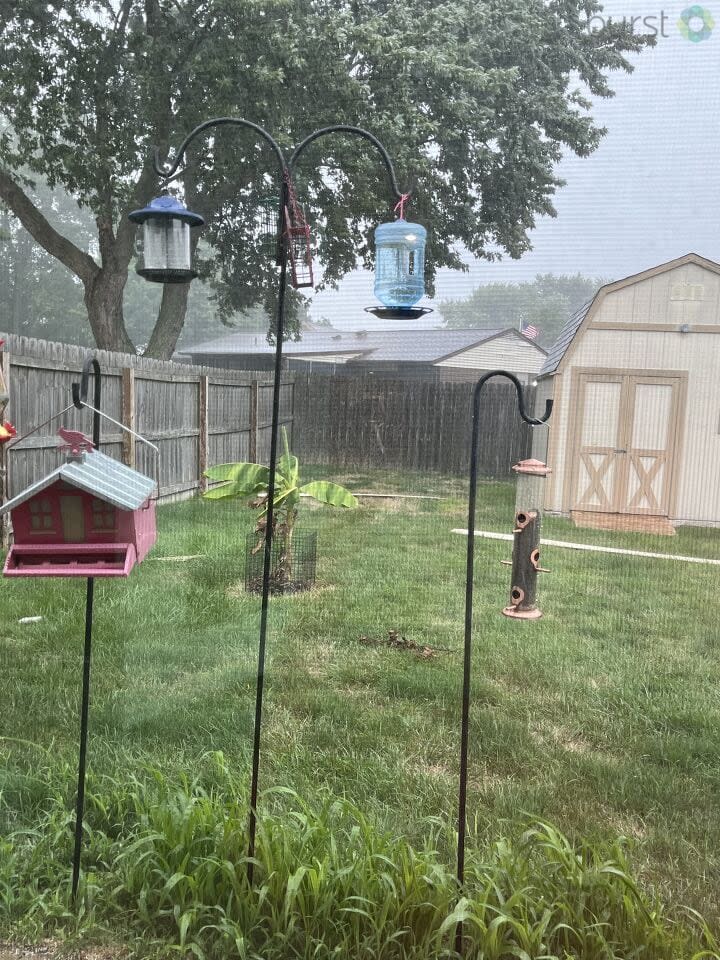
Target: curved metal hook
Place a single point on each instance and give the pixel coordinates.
(533, 421)
(360, 132)
(169, 174)
(80, 392)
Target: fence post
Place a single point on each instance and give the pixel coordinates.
(4, 459)
(254, 404)
(204, 432)
(127, 416)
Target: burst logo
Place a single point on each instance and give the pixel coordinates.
(696, 24)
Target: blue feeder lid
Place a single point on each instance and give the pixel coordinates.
(166, 207)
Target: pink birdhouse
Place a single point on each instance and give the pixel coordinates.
(91, 517)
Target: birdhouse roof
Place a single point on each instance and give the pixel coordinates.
(98, 475)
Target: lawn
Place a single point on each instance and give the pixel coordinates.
(603, 717)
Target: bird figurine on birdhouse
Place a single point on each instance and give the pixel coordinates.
(90, 517)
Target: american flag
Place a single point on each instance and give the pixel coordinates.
(529, 330)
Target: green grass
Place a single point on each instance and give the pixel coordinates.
(601, 718)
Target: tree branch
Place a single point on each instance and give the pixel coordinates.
(42, 231)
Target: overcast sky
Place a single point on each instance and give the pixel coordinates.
(648, 194)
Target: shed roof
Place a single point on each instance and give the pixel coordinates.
(413, 346)
(557, 350)
(571, 328)
(98, 475)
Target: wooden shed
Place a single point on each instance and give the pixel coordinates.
(634, 439)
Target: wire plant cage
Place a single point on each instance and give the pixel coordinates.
(292, 569)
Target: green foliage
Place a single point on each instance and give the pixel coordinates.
(166, 865)
(40, 297)
(251, 479)
(547, 303)
(474, 101)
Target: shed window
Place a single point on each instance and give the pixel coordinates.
(41, 516)
(103, 515)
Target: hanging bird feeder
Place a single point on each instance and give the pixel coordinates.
(529, 501)
(91, 517)
(399, 268)
(268, 226)
(164, 253)
(297, 235)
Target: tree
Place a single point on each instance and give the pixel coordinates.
(475, 98)
(546, 303)
(39, 296)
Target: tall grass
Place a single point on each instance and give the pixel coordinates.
(165, 869)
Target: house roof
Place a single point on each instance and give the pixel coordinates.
(413, 346)
(568, 332)
(98, 475)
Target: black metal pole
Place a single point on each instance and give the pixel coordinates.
(467, 653)
(79, 395)
(286, 172)
(84, 713)
(267, 559)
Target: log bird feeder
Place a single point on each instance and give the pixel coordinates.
(529, 500)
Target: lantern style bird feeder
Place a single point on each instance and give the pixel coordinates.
(164, 254)
(529, 501)
(399, 269)
(91, 517)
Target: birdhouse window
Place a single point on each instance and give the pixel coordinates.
(103, 515)
(41, 516)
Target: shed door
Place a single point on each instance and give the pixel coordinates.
(599, 467)
(626, 443)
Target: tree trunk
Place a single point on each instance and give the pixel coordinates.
(170, 321)
(104, 303)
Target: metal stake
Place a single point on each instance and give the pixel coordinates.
(79, 393)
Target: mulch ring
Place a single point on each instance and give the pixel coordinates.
(396, 641)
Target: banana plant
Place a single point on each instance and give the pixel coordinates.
(251, 480)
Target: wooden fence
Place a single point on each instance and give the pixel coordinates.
(196, 416)
(410, 424)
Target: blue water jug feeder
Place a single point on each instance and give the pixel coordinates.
(399, 270)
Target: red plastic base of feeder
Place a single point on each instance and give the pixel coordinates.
(516, 614)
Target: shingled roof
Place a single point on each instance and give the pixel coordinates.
(557, 350)
(413, 346)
